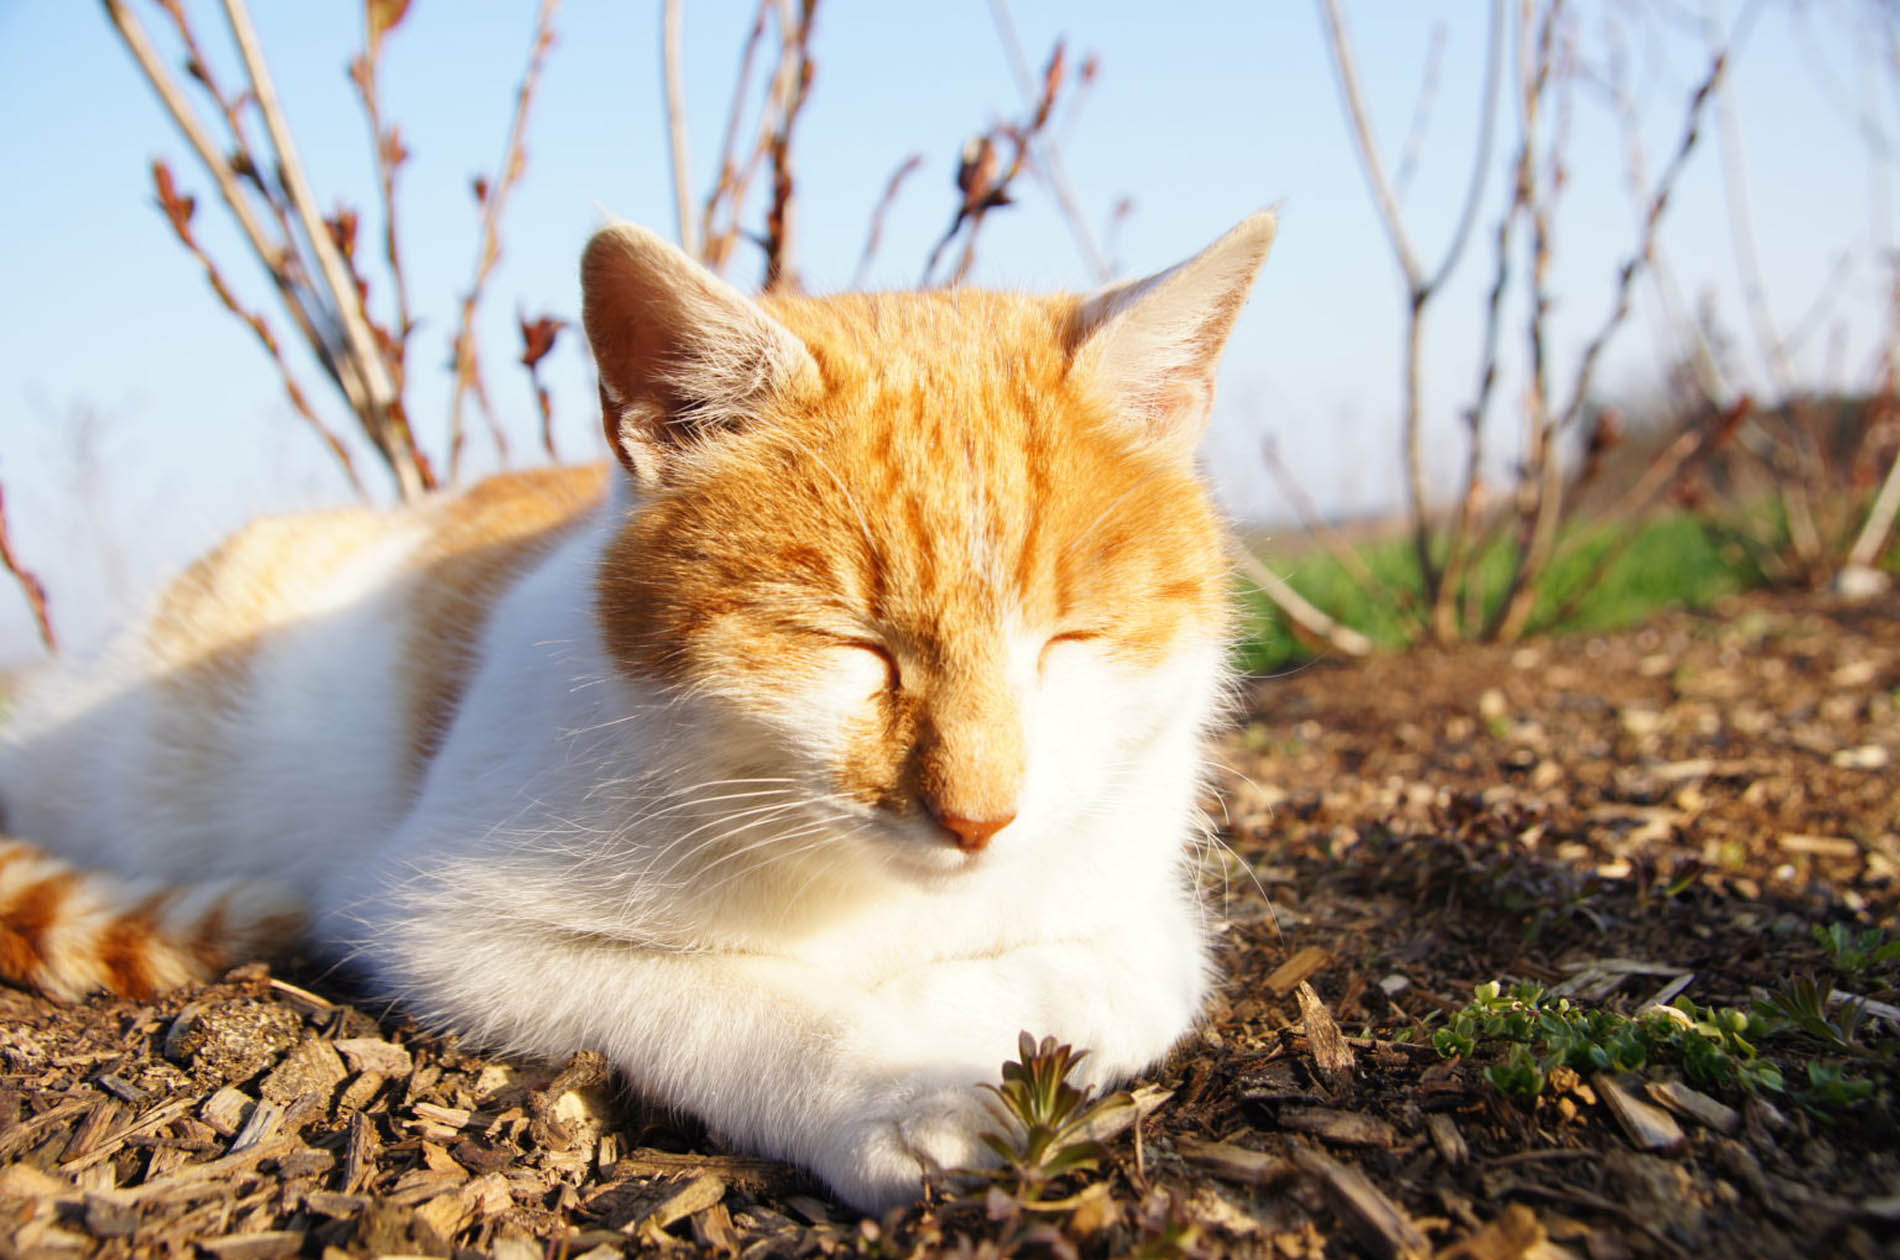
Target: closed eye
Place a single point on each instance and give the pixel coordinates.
(1069, 636)
(892, 676)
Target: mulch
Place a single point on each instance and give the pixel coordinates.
(1666, 810)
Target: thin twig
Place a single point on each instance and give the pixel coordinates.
(278, 256)
(178, 211)
(386, 144)
(1532, 556)
(1420, 286)
(537, 340)
(875, 234)
(467, 366)
(1421, 111)
(728, 190)
(1046, 155)
(1302, 613)
(1799, 457)
(1668, 467)
(1312, 523)
(780, 219)
(389, 426)
(29, 583)
(1367, 147)
(674, 75)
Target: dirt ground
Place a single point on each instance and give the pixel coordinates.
(1666, 811)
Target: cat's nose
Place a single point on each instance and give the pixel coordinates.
(972, 835)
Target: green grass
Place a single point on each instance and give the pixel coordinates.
(1673, 561)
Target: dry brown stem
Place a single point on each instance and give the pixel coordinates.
(1046, 154)
(388, 426)
(494, 197)
(537, 340)
(1540, 519)
(1304, 615)
(387, 147)
(875, 233)
(984, 183)
(1421, 285)
(178, 212)
(725, 206)
(673, 75)
(278, 252)
(1314, 525)
(727, 177)
(30, 585)
(780, 224)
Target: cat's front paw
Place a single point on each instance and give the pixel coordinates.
(880, 1162)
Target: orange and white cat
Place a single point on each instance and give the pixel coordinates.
(851, 726)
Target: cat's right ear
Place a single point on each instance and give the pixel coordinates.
(682, 354)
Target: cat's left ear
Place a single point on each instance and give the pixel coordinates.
(1152, 345)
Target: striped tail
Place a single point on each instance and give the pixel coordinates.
(68, 932)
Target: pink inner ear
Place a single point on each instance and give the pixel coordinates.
(1181, 406)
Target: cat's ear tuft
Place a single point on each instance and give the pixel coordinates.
(1152, 345)
(682, 354)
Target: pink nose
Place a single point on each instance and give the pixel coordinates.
(972, 835)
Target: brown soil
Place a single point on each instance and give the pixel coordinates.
(1670, 809)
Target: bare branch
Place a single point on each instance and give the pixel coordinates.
(1350, 562)
(537, 340)
(727, 176)
(1369, 160)
(1421, 110)
(178, 211)
(494, 197)
(674, 74)
(1046, 155)
(30, 585)
(780, 224)
(875, 233)
(275, 255)
(1289, 601)
(389, 426)
(1536, 546)
(387, 147)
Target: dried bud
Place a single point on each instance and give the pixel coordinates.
(537, 337)
(342, 227)
(177, 208)
(481, 190)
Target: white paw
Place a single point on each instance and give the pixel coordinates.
(880, 1162)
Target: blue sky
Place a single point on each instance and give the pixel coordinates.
(138, 422)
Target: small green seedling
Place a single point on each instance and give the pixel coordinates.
(1048, 1124)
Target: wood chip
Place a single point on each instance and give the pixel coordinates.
(1339, 1128)
(312, 1069)
(1447, 1140)
(1380, 1225)
(1649, 1127)
(1235, 1163)
(1819, 846)
(1698, 1106)
(262, 1122)
(225, 1111)
(744, 1172)
(702, 1192)
(267, 1245)
(1110, 1121)
(1303, 966)
(1331, 1055)
(1517, 1234)
(373, 1054)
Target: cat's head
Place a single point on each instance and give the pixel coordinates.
(941, 560)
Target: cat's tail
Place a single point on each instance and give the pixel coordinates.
(68, 932)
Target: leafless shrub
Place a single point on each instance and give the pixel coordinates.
(1444, 547)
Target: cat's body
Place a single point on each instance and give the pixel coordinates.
(850, 729)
